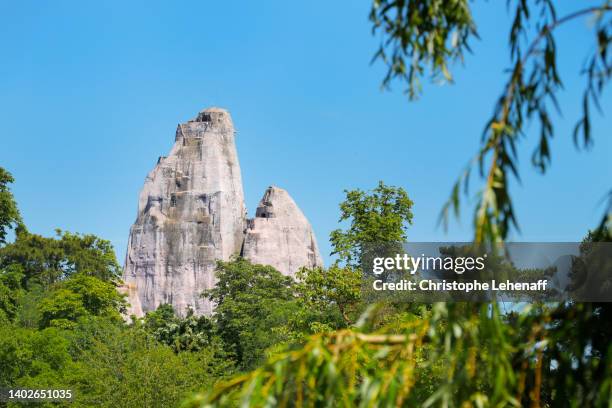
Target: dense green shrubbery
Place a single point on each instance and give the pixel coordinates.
(105, 364)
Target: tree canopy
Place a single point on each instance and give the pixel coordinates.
(253, 303)
(9, 214)
(377, 216)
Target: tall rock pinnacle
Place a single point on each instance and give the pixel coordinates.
(191, 213)
(280, 235)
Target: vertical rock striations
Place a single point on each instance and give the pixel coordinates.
(191, 212)
(280, 235)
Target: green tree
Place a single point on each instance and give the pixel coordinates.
(253, 305)
(377, 218)
(9, 213)
(11, 291)
(380, 216)
(55, 281)
(454, 355)
(334, 287)
(106, 364)
(48, 260)
(77, 297)
(191, 333)
(32, 357)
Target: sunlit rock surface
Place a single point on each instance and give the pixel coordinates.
(280, 235)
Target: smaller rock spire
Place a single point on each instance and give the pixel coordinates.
(280, 235)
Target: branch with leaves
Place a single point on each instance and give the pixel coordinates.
(421, 37)
(459, 355)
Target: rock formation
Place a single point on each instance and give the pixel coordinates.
(191, 213)
(280, 235)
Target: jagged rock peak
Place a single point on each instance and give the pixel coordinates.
(208, 120)
(213, 116)
(280, 235)
(277, 202)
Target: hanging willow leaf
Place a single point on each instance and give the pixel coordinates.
(531, 88)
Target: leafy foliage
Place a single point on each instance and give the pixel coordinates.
(80, 296)
(48, 260)
(487, 360)
(377, 216)
(11, 291)
(57, 281)
(28, 355)
(105, 364)
(253, 304)
(421, 35)
(603, 232)
(528, 95)
(192, 333)
(123, 366)
(59, 311)
(336, 286)
(9, 213)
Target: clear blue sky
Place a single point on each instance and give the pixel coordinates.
(91, 93)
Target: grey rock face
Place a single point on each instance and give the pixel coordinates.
(280, 235)
(191, 212)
